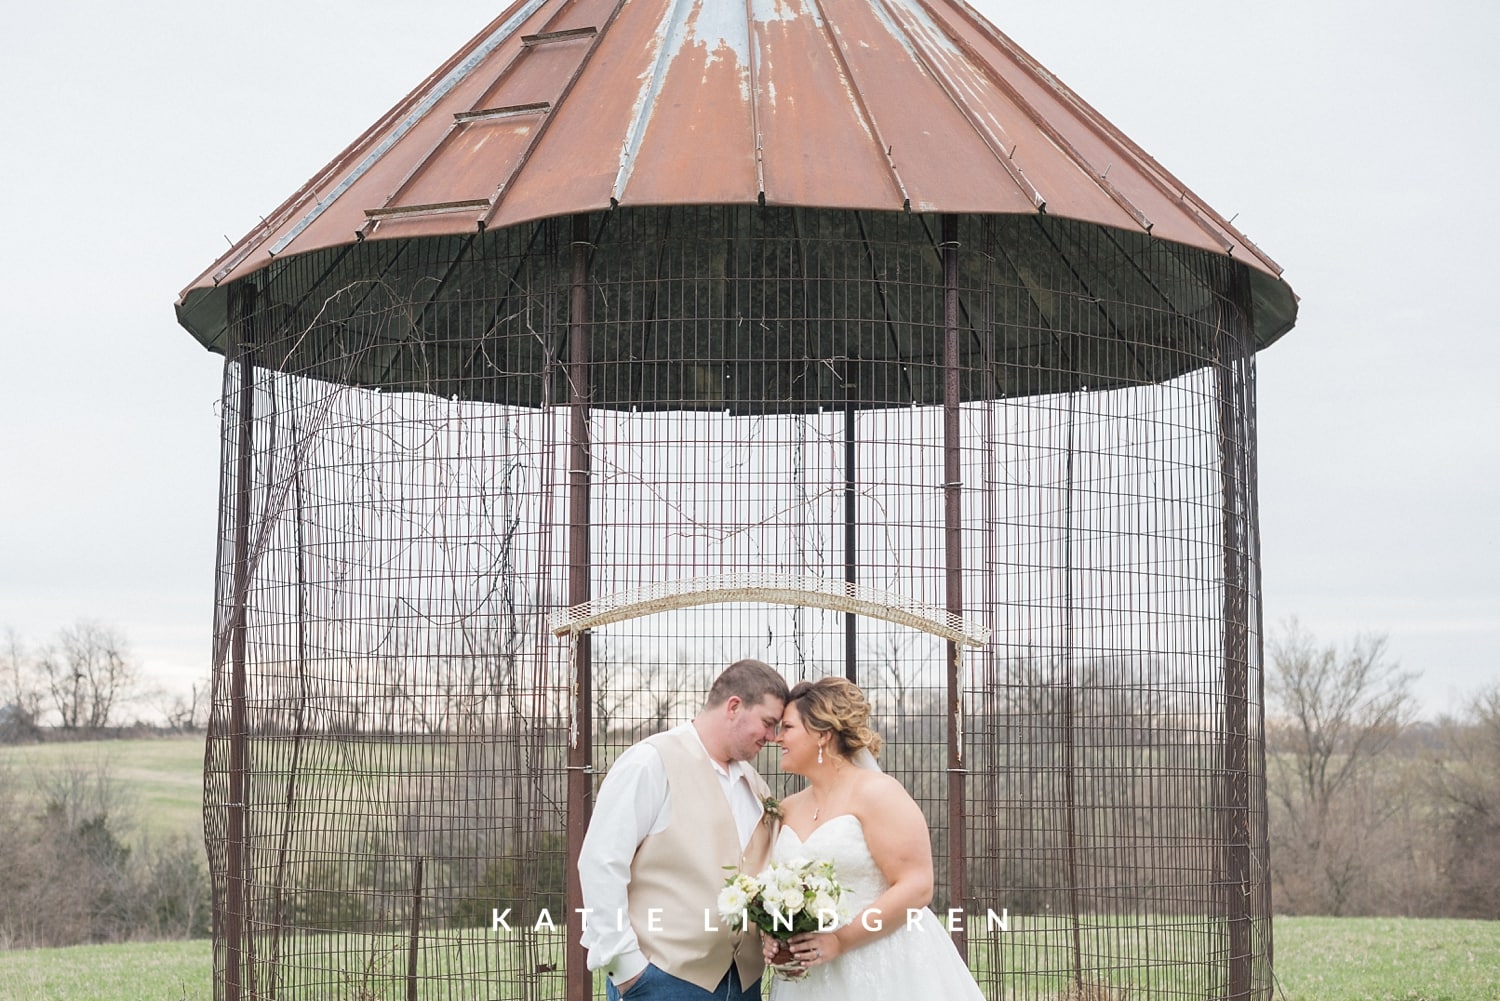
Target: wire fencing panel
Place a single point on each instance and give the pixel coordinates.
(386, 782)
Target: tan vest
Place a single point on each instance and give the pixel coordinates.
(680, 871)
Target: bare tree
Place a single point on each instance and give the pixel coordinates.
(20, 695)
(184, 711)
(82, 787)
(606, 681)
(88, 675)
(635, 697)
(665, 685)
(1467, 783)
(1334, 715)
(891, 660)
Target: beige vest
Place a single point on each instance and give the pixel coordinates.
(680, 871)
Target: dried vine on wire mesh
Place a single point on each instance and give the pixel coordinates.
(767, 395)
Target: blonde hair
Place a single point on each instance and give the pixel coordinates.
(836, 706)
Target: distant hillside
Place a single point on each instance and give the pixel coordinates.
(157, 781)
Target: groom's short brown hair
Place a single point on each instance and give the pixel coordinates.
(752, 680)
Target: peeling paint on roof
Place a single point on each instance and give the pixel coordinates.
(720, 28)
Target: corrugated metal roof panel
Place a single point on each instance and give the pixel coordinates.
(809, 93)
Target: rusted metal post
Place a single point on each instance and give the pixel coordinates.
(414, 933)
(235, 897)
(851, 533)
(581, 747)
(1068, 713)
(1260, 835)
(953, 520)
(1235, 477)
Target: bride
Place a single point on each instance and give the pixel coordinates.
(868, 825)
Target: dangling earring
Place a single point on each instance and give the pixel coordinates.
(820, 754)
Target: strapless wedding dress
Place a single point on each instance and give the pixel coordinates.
(917, 960)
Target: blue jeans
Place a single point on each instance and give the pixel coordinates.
(657, 985)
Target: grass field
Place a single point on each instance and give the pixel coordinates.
(152, 971)
(1318, 959)
(1387, 959)
(161, 777)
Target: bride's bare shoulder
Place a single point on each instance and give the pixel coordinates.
(792, 799)
(892, 819)
(880, 787)
(796, 804)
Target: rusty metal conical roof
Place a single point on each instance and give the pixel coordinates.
(562, 107)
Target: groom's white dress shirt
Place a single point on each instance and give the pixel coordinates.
(634, 803)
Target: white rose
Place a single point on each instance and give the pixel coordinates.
(732, 900)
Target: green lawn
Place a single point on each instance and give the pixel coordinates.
(1318, 959)
(151, 971)
(1387, 959)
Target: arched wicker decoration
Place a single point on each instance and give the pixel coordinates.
(646, 336)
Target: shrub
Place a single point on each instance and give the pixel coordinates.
(328, 902)
(517, 883)
(68, 877)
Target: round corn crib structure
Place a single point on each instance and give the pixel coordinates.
(507, 480)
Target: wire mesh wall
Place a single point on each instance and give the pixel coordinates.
(433, 446)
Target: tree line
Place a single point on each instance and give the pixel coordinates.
(1374, 811)
(83, 681)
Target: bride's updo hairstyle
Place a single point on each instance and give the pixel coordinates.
(836, 706)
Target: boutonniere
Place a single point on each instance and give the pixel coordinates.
(772, 810)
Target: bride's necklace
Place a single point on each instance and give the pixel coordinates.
(818, 804)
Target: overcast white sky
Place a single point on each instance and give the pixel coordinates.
(1356, 141)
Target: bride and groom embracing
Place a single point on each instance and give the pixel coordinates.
(681, 809)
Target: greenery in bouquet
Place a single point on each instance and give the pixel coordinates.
(788, 898)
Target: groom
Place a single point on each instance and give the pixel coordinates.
(672, 813)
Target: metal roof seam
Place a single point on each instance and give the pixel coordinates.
(1157, 175)
(831, 32)
(422, 110)
(989, 141)
(754, 99)
(541, 130)
(1054, 135)
(673, 32)
(270, 223)
(422, 160)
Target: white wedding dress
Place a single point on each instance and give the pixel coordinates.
(917, 960)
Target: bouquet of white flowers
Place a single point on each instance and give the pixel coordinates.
(788, 898)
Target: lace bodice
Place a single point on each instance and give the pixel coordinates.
(840, 840)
